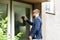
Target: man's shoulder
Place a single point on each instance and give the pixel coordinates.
(38, 18)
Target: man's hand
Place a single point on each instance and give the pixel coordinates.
(30, 37)
(25, 18)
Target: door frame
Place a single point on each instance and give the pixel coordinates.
(23, 5)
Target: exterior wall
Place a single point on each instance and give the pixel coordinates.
(44, 22)
(52, 22)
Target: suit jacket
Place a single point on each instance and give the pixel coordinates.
(36, 31)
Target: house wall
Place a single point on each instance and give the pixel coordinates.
(52, 22)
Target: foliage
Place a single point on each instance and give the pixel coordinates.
(18, 36)
(3, 29)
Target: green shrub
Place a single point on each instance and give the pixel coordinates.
(3, 29)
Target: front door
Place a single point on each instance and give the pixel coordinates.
(21, 28)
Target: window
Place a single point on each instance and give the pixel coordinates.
(49, 7)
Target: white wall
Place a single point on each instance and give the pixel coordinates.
(52, 23)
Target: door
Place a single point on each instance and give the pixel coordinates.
(21, 28)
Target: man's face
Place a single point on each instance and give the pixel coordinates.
(34, 14)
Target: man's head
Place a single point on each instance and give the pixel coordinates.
(36, 12)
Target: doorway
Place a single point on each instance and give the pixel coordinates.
(21, 30)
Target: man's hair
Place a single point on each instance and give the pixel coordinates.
(37, 10)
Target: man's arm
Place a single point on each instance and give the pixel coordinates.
(28, 21)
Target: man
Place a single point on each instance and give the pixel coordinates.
(36, 31)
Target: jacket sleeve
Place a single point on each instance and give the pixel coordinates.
(28, 21)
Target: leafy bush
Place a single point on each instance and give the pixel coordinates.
(3, 29)
(18, 36)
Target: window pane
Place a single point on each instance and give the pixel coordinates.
(50, 7)
(20, 26)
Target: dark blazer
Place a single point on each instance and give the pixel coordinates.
(36, 31)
